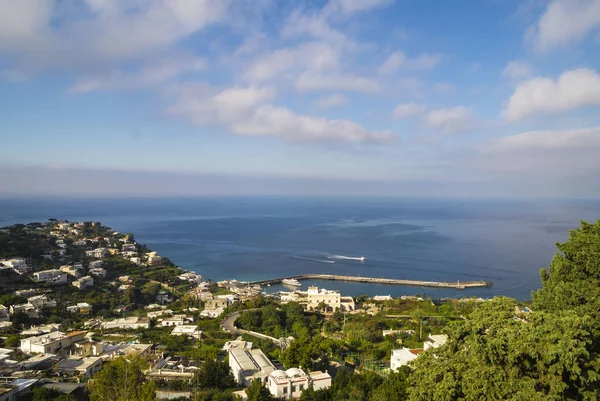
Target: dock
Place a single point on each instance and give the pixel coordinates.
(459, 285)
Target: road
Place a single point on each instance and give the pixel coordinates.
(228, 324)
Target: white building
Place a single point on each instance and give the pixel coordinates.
(42, 329)
(97, 253)
(94, 264)
(133, 322)
(177, 320)
(159, 313)
(381, 298)
(154, 259)
(84, 282)
(50, 343)
(403, 356)
(82, 307)
(434, 341)
(136, 260)
(188, 330)
(41, 301)
(97, 272)
(212, 313)
(292, 382)
(332, 299)
(13, 263)
(53, 276)
(80, 242)
(237, 344)
(84, 366)
(27, 309)
(248, 365)
(71, 270)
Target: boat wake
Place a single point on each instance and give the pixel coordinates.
(313, 260)
(359, 258)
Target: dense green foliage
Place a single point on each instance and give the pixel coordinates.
(122, 379)
(550, 354)
(214, 374)
(48, 394)
(257, 392)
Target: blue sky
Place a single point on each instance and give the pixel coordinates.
(336, 97)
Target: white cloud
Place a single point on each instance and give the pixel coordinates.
(517, 69)
(449, 120)
(572, 90)
(314, 81)
(311, 55)
(398, 60)
(89, 36)
(350, 7)
(565, 152)
(152, 74)
(408, 110)
(565, 22)
(335, 100)
(248, 111)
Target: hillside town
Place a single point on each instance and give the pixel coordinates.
(76, 297)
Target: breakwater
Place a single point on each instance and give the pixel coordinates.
(459, 285)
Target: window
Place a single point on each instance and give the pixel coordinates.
(302, 387)
(285, 390)
(294, 389)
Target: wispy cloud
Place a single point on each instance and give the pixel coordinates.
(517, 69)
(248, 111)
(150, 74)
(450, 120)
(398, 60)
(409, 110)
(335, 100)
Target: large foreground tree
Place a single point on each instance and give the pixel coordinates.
(550, 354)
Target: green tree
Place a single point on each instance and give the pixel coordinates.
(257, 392)
(214, 374)
(572, 281)
(496, 356)
(12, 341)
(394, 387)
(311, 394)
(122, 380)
(48, 394)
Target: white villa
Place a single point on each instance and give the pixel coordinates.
(403, 356)
(248, 365)
(53, 276)
(133, 322)
(332, 299)
(188, 330)
(292, 382)
(84, 282)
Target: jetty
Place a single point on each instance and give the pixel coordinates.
(459, 285)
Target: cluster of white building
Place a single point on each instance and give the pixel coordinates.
(32, 308)
(19, 265)
(249, 364)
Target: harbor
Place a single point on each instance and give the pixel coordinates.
(459, 285)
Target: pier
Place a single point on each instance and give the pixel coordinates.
(459, 285)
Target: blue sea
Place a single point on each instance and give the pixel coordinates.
(505, 242)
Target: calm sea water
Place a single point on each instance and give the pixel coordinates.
(505, 242)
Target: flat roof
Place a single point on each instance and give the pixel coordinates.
(252, 360)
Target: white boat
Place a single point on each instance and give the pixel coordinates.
(359, 258)
(291, 282)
